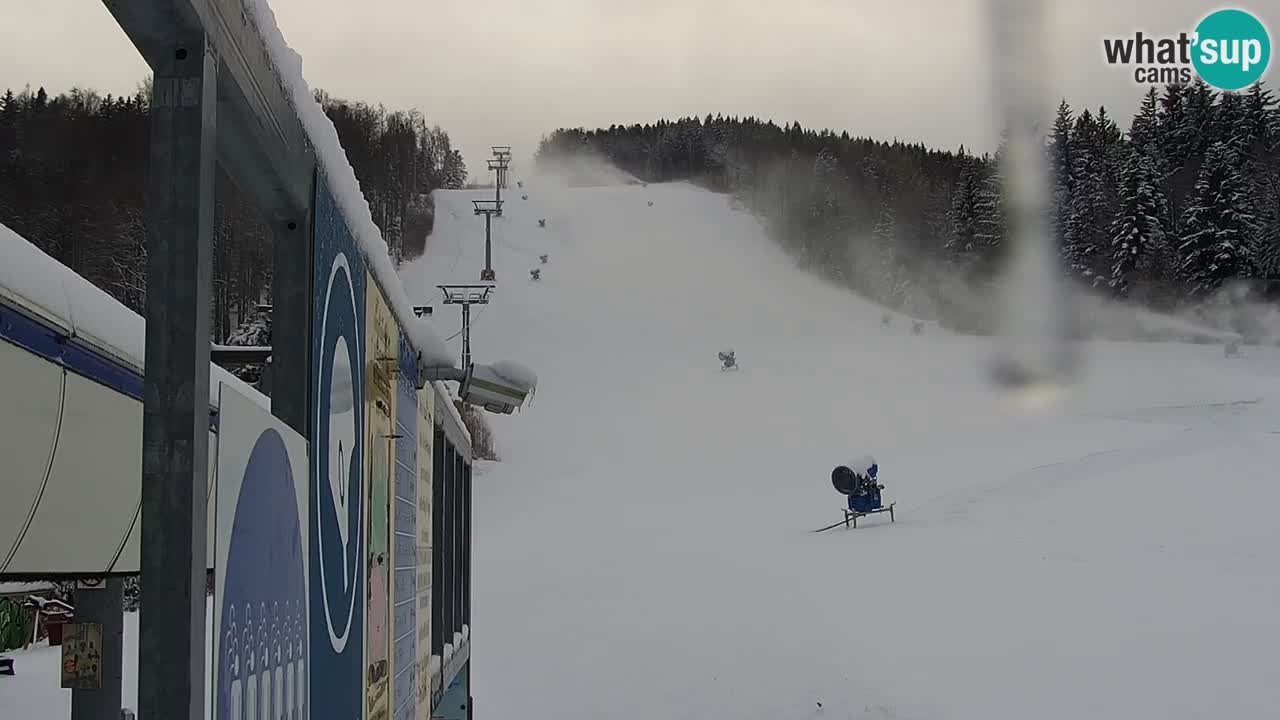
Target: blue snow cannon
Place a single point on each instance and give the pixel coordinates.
(859, 482)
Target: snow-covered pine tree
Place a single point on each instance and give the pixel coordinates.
(1085, 240)
(889, 282)
(1144, 132)
(825, 230)
(962, 243)
(1061, 160)
(255, 331)
(1139, 243)
(1219, 238)
(1175, 149)
(1261, 149)
(1230, 125)
(990, 230)
(937, 220)
(1269, 227)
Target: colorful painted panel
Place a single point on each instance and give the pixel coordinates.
(260, 655)
(426, 406)
(380, 369)
(404, 533)
(337, 609)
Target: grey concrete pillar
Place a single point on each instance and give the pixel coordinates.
(175, 422)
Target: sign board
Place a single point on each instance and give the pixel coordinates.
(261, 650)
(381, 362)
(404, 539)
(82, 656)
(424, 439)
(336, 614)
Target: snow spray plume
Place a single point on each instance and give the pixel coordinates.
(579, 167)
(1034, 348)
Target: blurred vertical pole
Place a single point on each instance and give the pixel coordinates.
(1034, 347)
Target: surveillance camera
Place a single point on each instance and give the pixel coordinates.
(500, 388)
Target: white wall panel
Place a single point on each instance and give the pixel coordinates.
(30, 404)
(90, 499)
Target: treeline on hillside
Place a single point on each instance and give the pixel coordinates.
(73, 172)
(1166, 213)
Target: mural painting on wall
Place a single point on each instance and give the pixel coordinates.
(404, 539)
(380, 367)
(261, 650)
(337, 609)
(425, 436)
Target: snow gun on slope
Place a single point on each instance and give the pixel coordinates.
(859, 482)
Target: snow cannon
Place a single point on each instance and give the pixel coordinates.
(524, 197)
(650, 203)
(727, 360)
(542, 223)
(535, 274)
(859, 482)
(543, 258)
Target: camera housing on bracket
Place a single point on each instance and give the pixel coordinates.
(500, 388)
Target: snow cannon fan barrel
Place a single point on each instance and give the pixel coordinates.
(844, 480)
(847, 479)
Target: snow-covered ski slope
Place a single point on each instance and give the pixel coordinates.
(644, 549)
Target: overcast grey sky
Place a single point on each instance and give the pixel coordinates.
(507, 71)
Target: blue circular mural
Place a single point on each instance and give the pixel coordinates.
(338, 499)
(263, 656)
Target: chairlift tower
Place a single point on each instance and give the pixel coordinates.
(488, 208)
(502, 154)
(499, 167)
(466, 296)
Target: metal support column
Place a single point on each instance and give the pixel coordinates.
(104, 606)
(438, 478)
(488, 249)
(466, 336)
(291, 320)
(175, 418)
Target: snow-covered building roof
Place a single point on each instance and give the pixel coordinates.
(71, 383)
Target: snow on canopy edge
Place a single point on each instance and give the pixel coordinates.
(516, 373)
(337, 168)
(59, 295)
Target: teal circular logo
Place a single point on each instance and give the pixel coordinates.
(1231, 49)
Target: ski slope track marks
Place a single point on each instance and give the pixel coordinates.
(643, 550)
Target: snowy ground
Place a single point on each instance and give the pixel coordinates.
(35, 692)
(643, 550)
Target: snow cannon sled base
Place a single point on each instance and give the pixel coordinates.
(851, 516)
